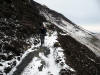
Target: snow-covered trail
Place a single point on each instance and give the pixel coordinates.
(24, 63)
(42, 60)
(46, 64)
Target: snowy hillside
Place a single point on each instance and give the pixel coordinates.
(36, 40)
(98, 35)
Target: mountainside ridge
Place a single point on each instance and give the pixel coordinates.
(63, 48)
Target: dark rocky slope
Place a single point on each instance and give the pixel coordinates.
(21, 20)
(79, 57)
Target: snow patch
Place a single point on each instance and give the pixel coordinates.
(50, 65)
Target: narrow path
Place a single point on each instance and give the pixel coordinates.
(20, 68)
(28, 58)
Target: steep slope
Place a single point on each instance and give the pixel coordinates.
(62, 48)
(78, 33)
(97, 35)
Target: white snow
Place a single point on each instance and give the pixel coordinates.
(25, 54)
(32, 68)
(50, 67)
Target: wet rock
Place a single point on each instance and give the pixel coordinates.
(66, 72)
(40, 68)
(2, 57)
(1, 65)
(1, 73)
(10, 57)
(57, 44)
(14, 63)
(45, 50)
(36, 42)
(18, 58)
(7, 70)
